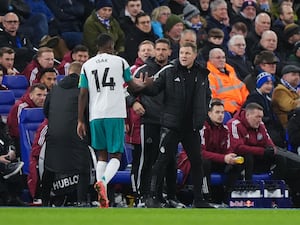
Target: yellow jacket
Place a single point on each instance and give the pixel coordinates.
(227, 87)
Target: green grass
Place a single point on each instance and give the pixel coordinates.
(133, 216)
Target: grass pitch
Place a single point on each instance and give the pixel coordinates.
(133, 216)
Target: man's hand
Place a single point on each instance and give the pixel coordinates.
(229, 158)
(138, 108)
(3, 159)
(81, 130)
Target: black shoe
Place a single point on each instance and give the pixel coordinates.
(154, 203)
(15, 201)
(202, 204)
(174, 203)
(12, 169)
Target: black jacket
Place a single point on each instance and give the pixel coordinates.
(65, 151)
(171, 83)
(293, 129)
(152, 104)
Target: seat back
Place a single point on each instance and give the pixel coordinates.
(227, 117)
(18, 84)
(7, 100)
(30, 120)
(59, 77)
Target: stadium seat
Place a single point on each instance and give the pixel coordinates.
(59, 77)
(227, 117)
(30, 119)
(18, 84)
(7, 100)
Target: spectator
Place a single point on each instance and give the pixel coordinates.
(249, 138)
(293, 129)
(238, 28)
(237, 57)
(10, 180)
(234, 7)
(177, 6)
(247, 14)
(127, 18)
(291, 34)
(181, 118)
(194, 21)
(79, 53)
(10, 37)
(44, 59)
(101, 21)
(69, 15)
(159, 18)
(214, 40)
(35, 97)
(262, 95)
(172, 30)
(143, 31)
(294, 58)
(286, 97)
(224, 83)
(219, 18)
(62, 141)
(265, 61)
(203, 6)
(262, 23)
(7, 58)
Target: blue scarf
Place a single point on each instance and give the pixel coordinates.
(287, 85)
(105, 22)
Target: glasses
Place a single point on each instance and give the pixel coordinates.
(240, 45)
(145, 22)
(11, 21)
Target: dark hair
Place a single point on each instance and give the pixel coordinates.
(80, 48)
(47, 70)
(103, 40)
(215, 102)
(37, 85)
(189, 44)
(252, 106)
(163, 40)
(139, 15)
(6, 50)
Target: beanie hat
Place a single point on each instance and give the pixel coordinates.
(103, 3)
(290, 30)
(172, 21)
(248, 3)
(263, 78)
(189, 11)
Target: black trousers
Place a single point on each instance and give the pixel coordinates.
(169, 140)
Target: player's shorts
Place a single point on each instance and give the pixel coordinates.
(108, 134)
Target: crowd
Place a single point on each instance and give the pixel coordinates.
(166, 72)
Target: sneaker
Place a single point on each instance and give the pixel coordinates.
(174, 203)
(12, 169)
(102, 197)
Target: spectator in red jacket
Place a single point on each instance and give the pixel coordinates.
(34, 98)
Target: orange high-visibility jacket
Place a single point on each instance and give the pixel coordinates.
(227, 87)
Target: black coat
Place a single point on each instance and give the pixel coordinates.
(171, 83)
(65, 151)
(294, 129)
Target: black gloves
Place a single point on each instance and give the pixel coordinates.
(269, 152)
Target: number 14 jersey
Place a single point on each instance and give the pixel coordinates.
(104, 76)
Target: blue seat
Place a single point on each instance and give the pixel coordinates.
(7, 100)
(30, 120)
(18, 84)
(227, 117)
(59, 77)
